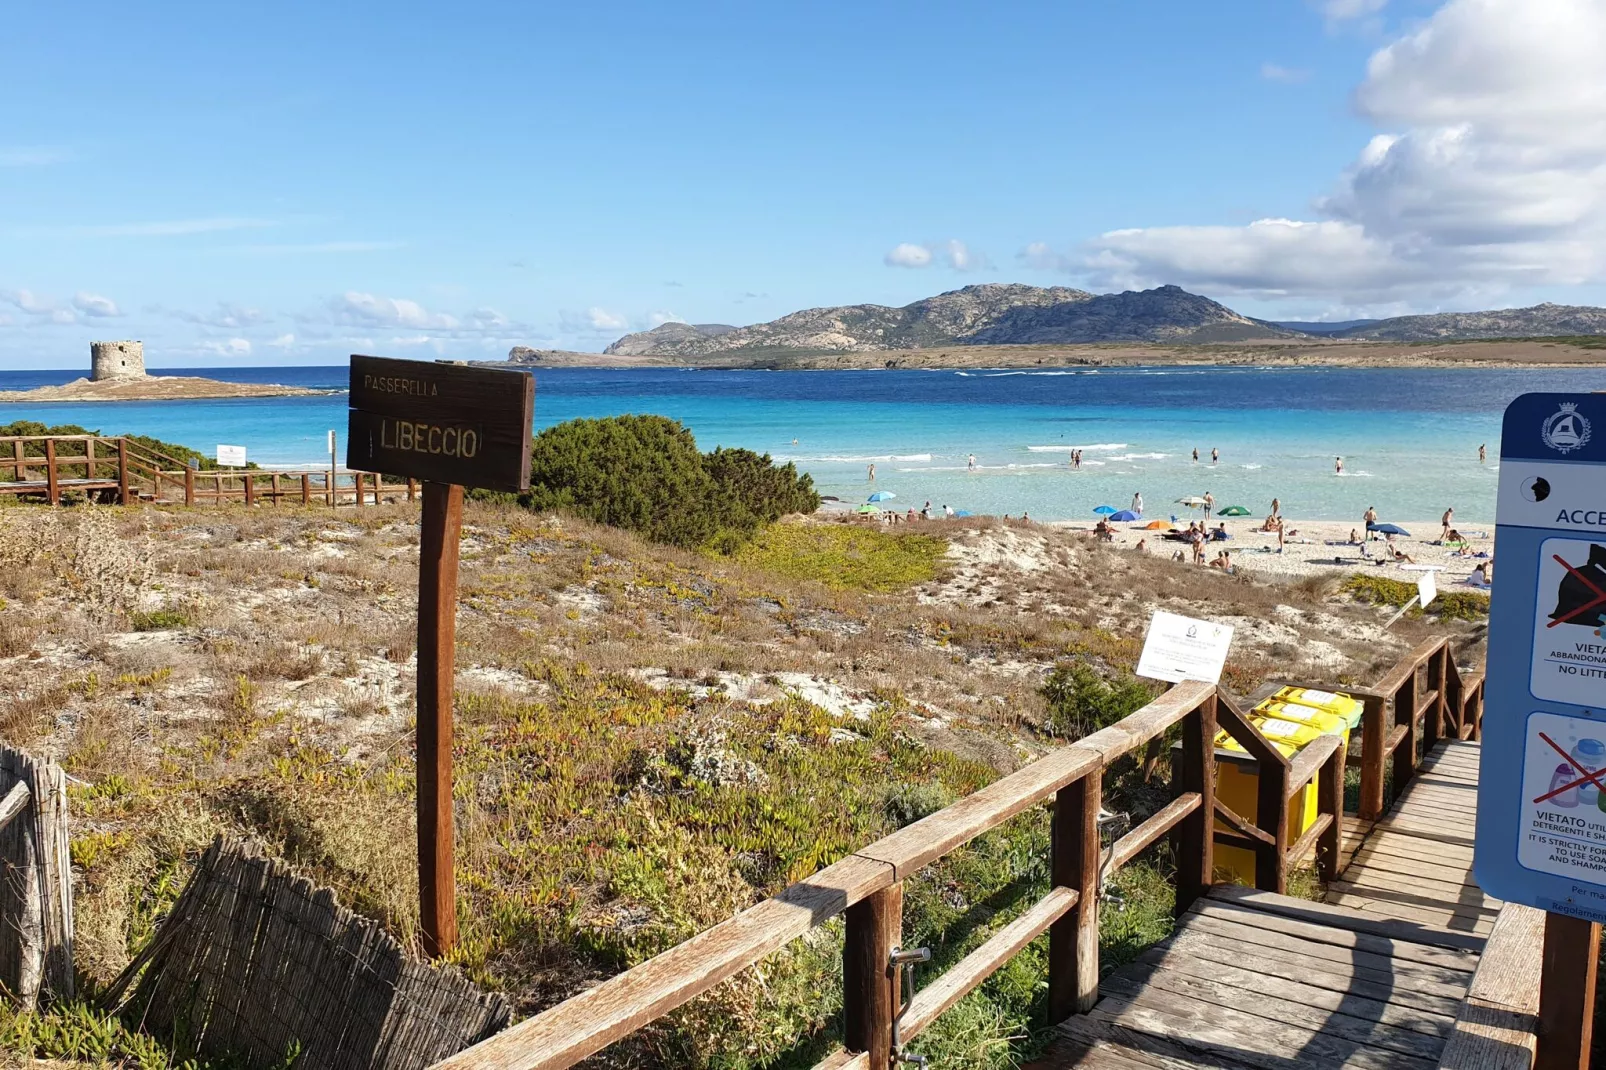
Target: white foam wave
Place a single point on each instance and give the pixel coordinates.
(1105, 446)
(1251, 467)
(1140, 457)
(869, 459)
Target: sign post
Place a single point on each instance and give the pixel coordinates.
(1541, 836)
(453, 427)
(1180, 648)
(332, 466)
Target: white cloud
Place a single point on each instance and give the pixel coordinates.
(485, 319)
(1490, 175)
(94, 305)
(908, 255)
(953, 252)
(658, 319)
(367, 309)
(600, 319)
(233, 347)
(39, 310)
(284, 341)
(1274, 72)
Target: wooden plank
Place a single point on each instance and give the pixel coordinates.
(1326, 914)
(1409, 846)
(963, 976)
(15, 802)
(1309, 761)
(589, 1022)
(1421, 891)
(869, 995)
(1406, 988)
(441, 529)
(1488, 1037)
(1571, 953)
(1370, 859)
(1307, 840)
(1157, 825)
(1348, 942)
(1396, 736)
(844, 1060)
(1193, 842)
(1324, 982)
(1424, 827)
(1073, 939)
(1475, 926)
(1089, 1042)
(1407, 666)
(1154, 986)
(1240, 824)
(1246, 1038)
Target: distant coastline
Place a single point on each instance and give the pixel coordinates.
(154, 388)
(1493, 353)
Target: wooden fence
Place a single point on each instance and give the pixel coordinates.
(36, 931)
(867, 886)
(254, 963)
(50, 466)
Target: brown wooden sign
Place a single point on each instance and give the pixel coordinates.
(445, 423)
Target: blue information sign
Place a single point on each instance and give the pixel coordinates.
(1542, 786)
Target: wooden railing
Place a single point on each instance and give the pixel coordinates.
(1423, 699)
(54, 465)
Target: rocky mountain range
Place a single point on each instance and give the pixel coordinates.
(1016, 314)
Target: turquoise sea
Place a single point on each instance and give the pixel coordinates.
(1409, 437)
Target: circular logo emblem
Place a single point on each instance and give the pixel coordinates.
(1536, 489)
(1566, 430)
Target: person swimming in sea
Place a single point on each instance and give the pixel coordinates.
(1338, 465)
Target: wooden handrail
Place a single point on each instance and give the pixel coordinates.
(1497, 1026)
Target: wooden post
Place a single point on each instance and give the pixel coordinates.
(89, 458)
(1567, 993)
(250, 489)
(869, 1001)
(1330, 800)
(1405, 713)
(189, 485)
(122, 471)
(1271, 817)
(1438, 682)
(35, 883)
(1073, 940)
(20, 454)
(358, 484)
(412, 488)
(306, 488)
(1374, 730)
(1193, 841)
(437, 650)
(52, 487)
(275, 488)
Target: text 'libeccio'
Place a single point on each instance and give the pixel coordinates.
(411, 436)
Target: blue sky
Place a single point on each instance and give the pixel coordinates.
(296, 182)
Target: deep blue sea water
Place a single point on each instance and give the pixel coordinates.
(1409, 437)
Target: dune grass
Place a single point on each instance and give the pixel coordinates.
(846, 556)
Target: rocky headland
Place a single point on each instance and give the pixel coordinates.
(153, 388)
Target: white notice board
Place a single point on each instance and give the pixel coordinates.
(1180, 648)
(231, 456)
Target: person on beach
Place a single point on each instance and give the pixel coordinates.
(1076, 458)
(1401, 557)
(1449, 515)
(1196, 455)
(1137, 503)
(1338, 466)
(1142, 546)
(1276, 506)
(1371, 519)
(871, 471)
(1354, 536)
(1215, 455)
(1209, 504)
(910, 518)
(947, 510)
(1483, 453)
(1281, 533)
(1220, 534)
(925, 513)
(1025, 517)
(971, 463)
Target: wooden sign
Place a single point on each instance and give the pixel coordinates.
(453, 427)
(445, 423)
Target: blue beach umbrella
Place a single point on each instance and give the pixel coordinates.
(1387, 529)
(882, 495)
(1104, 510)
(1125, 515)
(961, 512)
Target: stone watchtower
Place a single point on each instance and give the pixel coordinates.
(116, 360)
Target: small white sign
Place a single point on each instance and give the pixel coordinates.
(1180, 648)
(331, 442)
(1426, 589)
(231, 456)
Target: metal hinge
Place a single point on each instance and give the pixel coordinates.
(903, 966)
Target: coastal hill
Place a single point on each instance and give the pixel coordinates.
(1005, 314)
(1539, 321)
(987, 314)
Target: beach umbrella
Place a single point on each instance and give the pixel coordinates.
(961, 512)
(1125, 516)
(1157, 525)
(1234, 510)
(1387, 529)
(1104, 510)
(881, 496)
(1192, 502)
(868, 509)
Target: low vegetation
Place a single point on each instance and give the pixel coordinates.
(33, 428)
(1448, 606)
(649, 736)
(644, 474)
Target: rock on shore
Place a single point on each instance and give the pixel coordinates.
(153, 388)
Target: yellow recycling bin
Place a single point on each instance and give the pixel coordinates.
(1291, 719)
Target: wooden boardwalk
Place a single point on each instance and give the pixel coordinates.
(1375, 977)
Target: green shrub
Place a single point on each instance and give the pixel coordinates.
(1449, 605)
(157, 620)
(1080, 701)
(846, 556)
(34, 429)
(645, 474)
